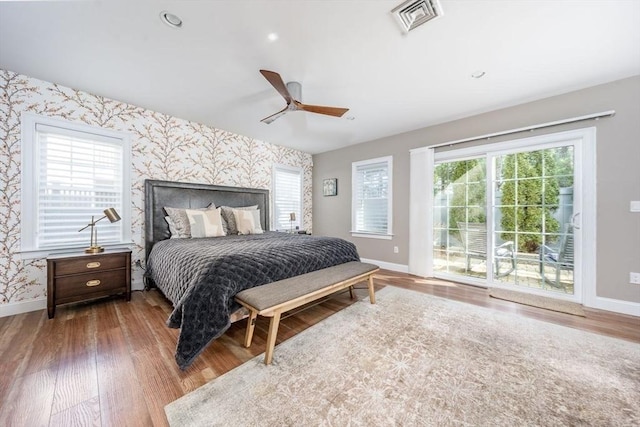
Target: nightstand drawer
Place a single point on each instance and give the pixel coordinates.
(89, 264)
(79, 277)
(90, 283)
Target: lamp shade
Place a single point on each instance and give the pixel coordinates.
(292, 216)
(112, 214)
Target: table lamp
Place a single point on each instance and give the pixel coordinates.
(113, 216)
(292, 217)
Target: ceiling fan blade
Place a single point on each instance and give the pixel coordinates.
(329, 111)
(276, 81)
(272, 117)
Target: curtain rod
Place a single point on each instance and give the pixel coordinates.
(594, 116)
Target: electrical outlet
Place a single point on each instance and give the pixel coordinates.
(396, 250)
(634, 278)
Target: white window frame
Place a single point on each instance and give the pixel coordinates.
(29, 185)
(299, 222)
(388, 235)
(421, 259)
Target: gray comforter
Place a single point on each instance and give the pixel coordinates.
(201, 277)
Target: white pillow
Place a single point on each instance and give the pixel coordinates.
(172, 228)
(205, 223)
(230, 220)
(246, 221)
(181, 221)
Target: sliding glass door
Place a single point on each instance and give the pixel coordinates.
(533, 210)
(510, 216)
(459, 200)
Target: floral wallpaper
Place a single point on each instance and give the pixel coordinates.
(163, 147)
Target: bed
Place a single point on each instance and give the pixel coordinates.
(200, 276)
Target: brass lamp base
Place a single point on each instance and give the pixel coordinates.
(94, 250)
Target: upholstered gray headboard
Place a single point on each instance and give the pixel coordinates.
(159, 194)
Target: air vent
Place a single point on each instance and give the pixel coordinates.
(413, 13)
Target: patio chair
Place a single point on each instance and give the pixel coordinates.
(474, 240)
(560, 258)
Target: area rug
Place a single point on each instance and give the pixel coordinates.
(538, 301)
(417, 360)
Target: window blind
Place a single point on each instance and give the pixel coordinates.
(371, 197)
(79, 175)
(287, 197)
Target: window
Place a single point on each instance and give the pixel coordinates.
(371, 206)
(287, 197)
(71, 172)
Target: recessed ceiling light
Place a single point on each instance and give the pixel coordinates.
(478, 74)
(170, 19)
(272, 37)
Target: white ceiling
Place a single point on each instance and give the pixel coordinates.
(345, 53)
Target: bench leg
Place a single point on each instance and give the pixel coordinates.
(251, 324)
(271, 338)
(351, 294)
(372, 294)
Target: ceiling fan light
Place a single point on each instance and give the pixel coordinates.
(292, 92)
(295, 89)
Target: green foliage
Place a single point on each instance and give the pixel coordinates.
(528, 198)
(564, 165)
(465, 183)
(528, 188)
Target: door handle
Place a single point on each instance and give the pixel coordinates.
(573, 222)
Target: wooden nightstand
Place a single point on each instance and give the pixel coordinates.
(80, 277)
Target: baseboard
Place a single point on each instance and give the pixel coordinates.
(41, 304)
(22, 307)
(388, 265)
(616, 305)
(601, 303)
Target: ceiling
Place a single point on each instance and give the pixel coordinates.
(345, 53)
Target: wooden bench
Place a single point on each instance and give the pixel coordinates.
(272, 299)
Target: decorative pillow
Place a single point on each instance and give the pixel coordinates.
(227, 215)
(205, 223)
(225, 224)
(172, 227)
(181, 221)
(256, 220)
(245, 221)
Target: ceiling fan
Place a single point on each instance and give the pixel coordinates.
(291, 93)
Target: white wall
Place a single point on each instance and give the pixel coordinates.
(618, 176)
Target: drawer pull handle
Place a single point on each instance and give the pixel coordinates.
(93, 265)
(95, 282)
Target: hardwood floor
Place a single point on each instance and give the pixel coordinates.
(111, 363)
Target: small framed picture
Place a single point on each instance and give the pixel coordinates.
(330, 187)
